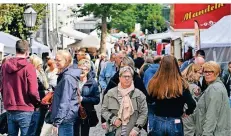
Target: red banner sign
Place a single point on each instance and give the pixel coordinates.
(205, 14)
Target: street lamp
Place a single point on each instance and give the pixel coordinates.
(30, 16)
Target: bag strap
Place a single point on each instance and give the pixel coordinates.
(227, 79)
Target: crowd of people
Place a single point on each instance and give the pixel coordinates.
(157, 93)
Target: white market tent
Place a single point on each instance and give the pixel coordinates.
(89, 41)
(73, 33)
(9, 42)
(110, 39)
(1, 51)
(170, 34)
(120, 34)
(1, 47)
(215, 41)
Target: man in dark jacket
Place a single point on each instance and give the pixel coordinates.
(20, 90)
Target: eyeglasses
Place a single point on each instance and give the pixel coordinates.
(126, 77)
(208, 72)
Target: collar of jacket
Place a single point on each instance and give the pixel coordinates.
(218, 79)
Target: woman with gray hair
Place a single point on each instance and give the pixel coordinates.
(126, 61)
(124, 106)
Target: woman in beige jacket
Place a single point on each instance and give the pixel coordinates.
(124, 107)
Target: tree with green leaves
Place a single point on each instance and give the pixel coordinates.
(150, 17)
(12, 21)
(102, 11)
(126, 20)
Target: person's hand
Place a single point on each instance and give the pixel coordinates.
(184, 115)
(117, 122)
(54, 130)
(133, 133)
(104, 125)
(197, 91)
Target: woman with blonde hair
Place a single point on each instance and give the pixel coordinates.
(168, 89)
(212, 114)
(43, 85)
(65, 103)
(192, 74)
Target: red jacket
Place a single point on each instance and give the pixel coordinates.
(20, 87)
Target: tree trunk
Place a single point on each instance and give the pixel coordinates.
(103, 35)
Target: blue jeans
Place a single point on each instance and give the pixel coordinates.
(18, 119)
(167, 126)
(66, 129)
(150, 116)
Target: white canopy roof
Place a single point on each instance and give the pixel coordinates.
(1, 47)
(110, 39)
(218, 35)
(89, 41)
(73, 33)
(120, 34)
(9, 42)
(172, 35)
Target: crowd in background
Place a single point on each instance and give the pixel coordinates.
(140, 90)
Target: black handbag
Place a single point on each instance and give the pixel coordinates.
(112, 133)
(93, 119)
(3, 123)
(48, 118)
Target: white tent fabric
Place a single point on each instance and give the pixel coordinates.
(215, 41)
(120, 34)
(9, 42)
(89, 41)
(1, 47)
(218, 35)
(73, 33)
(173, 35)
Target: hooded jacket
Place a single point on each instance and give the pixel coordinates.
(20, 90)
(90, 92)
(65, 103)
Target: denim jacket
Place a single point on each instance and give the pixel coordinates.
(106, 73)
(149, 73)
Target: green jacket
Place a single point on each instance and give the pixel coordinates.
(110, 108)
(212, 114)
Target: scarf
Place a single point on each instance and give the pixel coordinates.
(126, 108)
